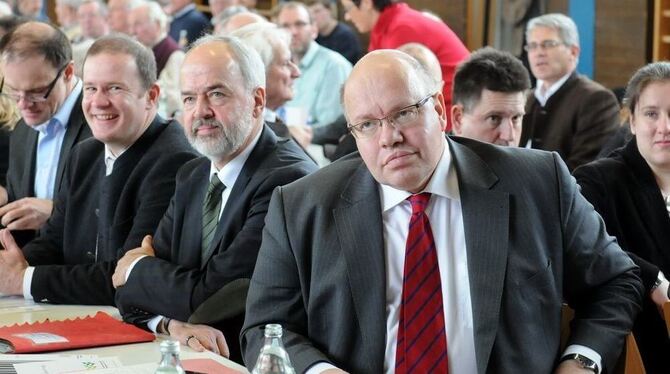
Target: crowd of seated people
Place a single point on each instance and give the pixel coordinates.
(148, 142)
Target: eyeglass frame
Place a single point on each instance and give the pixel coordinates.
(355, 129)
(30, 97)
(544, 45)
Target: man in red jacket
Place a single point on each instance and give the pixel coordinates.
(392, 24)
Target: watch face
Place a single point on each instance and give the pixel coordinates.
(586, 363)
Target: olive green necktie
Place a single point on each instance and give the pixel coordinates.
(210, 214)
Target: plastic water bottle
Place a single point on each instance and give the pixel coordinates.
(273, 358)
(170, 363)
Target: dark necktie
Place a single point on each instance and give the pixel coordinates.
(210, 214)
(422, 341)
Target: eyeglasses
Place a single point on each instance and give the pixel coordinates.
(544, 45)
(400, 119)
(36, 96)
(297, 25)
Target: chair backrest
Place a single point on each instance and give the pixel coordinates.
(666, 315)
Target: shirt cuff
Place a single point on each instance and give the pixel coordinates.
(586, 352)
(28, 282)
(132, 265)
(153, 323)
(319, 367)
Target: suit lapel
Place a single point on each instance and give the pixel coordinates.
(74, 127)
(31, 160)
(233, 209)
(192, 221)
(359, 228)
(486, 225)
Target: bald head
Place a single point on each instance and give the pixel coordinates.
(385, 68)
(396, 113)
(426, 58)
(240, 20)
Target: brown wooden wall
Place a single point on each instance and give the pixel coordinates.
(620, 40)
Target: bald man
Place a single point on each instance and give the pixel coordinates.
(351, 268)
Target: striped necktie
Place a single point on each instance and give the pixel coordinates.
(210, 214)
(422, 340)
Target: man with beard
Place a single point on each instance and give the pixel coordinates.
(209, 238)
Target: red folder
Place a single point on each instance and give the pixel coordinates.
(98, 331)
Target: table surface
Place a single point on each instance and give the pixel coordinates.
(17, 310)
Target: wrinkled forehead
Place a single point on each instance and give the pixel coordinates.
(380, 87)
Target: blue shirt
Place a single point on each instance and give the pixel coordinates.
(318, 89)
(49, 143)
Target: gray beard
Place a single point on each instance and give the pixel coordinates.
(228, 141)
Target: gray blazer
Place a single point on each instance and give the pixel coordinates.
(532, 241)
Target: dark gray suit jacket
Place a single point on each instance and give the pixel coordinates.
(532, 241)
(23, 154)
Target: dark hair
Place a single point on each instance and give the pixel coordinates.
(33, 39)
(490, 69)
(122, 44)
(8, 23)
(378, 4)
(650, 73)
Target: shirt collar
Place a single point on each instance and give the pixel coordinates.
(183, 10)
(63, 113)
(269, 115)
(230, 171)
(443, 183)
(309, 56)
(542, 98)
(110, 159)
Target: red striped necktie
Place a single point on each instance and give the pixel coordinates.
(422, 341)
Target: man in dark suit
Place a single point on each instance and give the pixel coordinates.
(195, 253)
(39, 75)
(480, 292)
(567, 113)
(116, 188)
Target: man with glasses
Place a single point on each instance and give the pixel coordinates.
(567, 112)
(317, 90)
(425, 254)
(39, 76)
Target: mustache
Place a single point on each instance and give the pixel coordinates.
(213, 122)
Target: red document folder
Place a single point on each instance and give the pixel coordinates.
(98, 331)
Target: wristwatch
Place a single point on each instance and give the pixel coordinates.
(583, 361)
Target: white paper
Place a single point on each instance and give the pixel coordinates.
(68, 365)
(42, 337)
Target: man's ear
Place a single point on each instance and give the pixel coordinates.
(153, 93)
(456, 117)
(68, 72)
(259, 102)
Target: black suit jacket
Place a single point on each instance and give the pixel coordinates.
(624, 191)
(532, 241)
(97, 218)
(23, 155)
(576, 121)
(184, 281)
